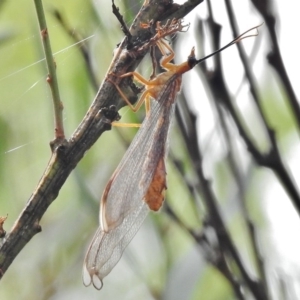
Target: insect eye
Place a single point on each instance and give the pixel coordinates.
(192, 61)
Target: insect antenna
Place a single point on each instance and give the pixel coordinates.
(236, 40)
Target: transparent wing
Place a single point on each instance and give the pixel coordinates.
(123, 208)
(107, 248)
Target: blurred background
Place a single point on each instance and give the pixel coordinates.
(175, 255)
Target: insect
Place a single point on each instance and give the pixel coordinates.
(139, 182)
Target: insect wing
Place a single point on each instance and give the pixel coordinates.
(123, 208)
(107, 247)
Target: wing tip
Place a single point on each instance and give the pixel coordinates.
(90, 276)
(86, 277)
(97, 282)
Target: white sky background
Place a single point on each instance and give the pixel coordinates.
(286, 247)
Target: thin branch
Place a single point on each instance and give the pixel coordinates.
(51, 78)
(179, 11)
(244, 59)
(82, 47)
(275, 58)
(120, 18)
(212, 255)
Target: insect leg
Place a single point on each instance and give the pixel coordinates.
(139, 103)
(166, 59)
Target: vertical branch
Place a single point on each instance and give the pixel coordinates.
(51, 78)
(274, 57)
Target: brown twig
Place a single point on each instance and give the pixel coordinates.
(52, 77)
(82, 46)
(116, 12)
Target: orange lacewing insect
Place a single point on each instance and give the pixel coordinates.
(139, 182)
